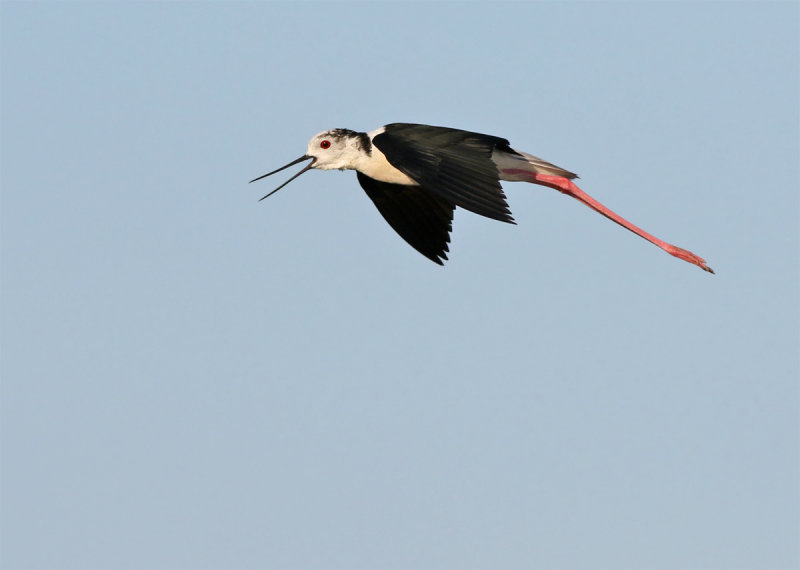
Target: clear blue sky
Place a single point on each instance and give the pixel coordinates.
(194, 379)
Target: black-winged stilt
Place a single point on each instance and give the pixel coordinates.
(417, 174)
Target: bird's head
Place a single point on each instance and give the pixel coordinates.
(337, 148)
(328, 150)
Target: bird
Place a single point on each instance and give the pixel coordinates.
(416, 175)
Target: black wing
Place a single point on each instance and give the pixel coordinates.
(421, 217)
(455, 164)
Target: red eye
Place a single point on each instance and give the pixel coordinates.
(325, 144)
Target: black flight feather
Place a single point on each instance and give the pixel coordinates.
(457, 165)
(421, 217)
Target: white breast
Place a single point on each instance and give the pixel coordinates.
(376, 166)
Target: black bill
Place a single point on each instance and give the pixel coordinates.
(301, 159)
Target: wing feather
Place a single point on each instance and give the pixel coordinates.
(457, 165)
(420, 217)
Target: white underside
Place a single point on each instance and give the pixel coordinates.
(505, 161)
(376, 166)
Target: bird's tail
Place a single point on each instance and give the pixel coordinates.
(564, 185)
(525, 161)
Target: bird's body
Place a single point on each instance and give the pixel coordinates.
(375, 165)
(418, 174)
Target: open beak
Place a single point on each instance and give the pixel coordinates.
(301, 159)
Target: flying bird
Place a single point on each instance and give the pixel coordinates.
(418, 174)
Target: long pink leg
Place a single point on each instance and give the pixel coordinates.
(566, 186)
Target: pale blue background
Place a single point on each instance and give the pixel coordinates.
(193, 379)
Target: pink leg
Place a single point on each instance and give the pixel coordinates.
(566, 186)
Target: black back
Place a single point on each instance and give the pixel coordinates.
(455, 164)
(421, 217)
